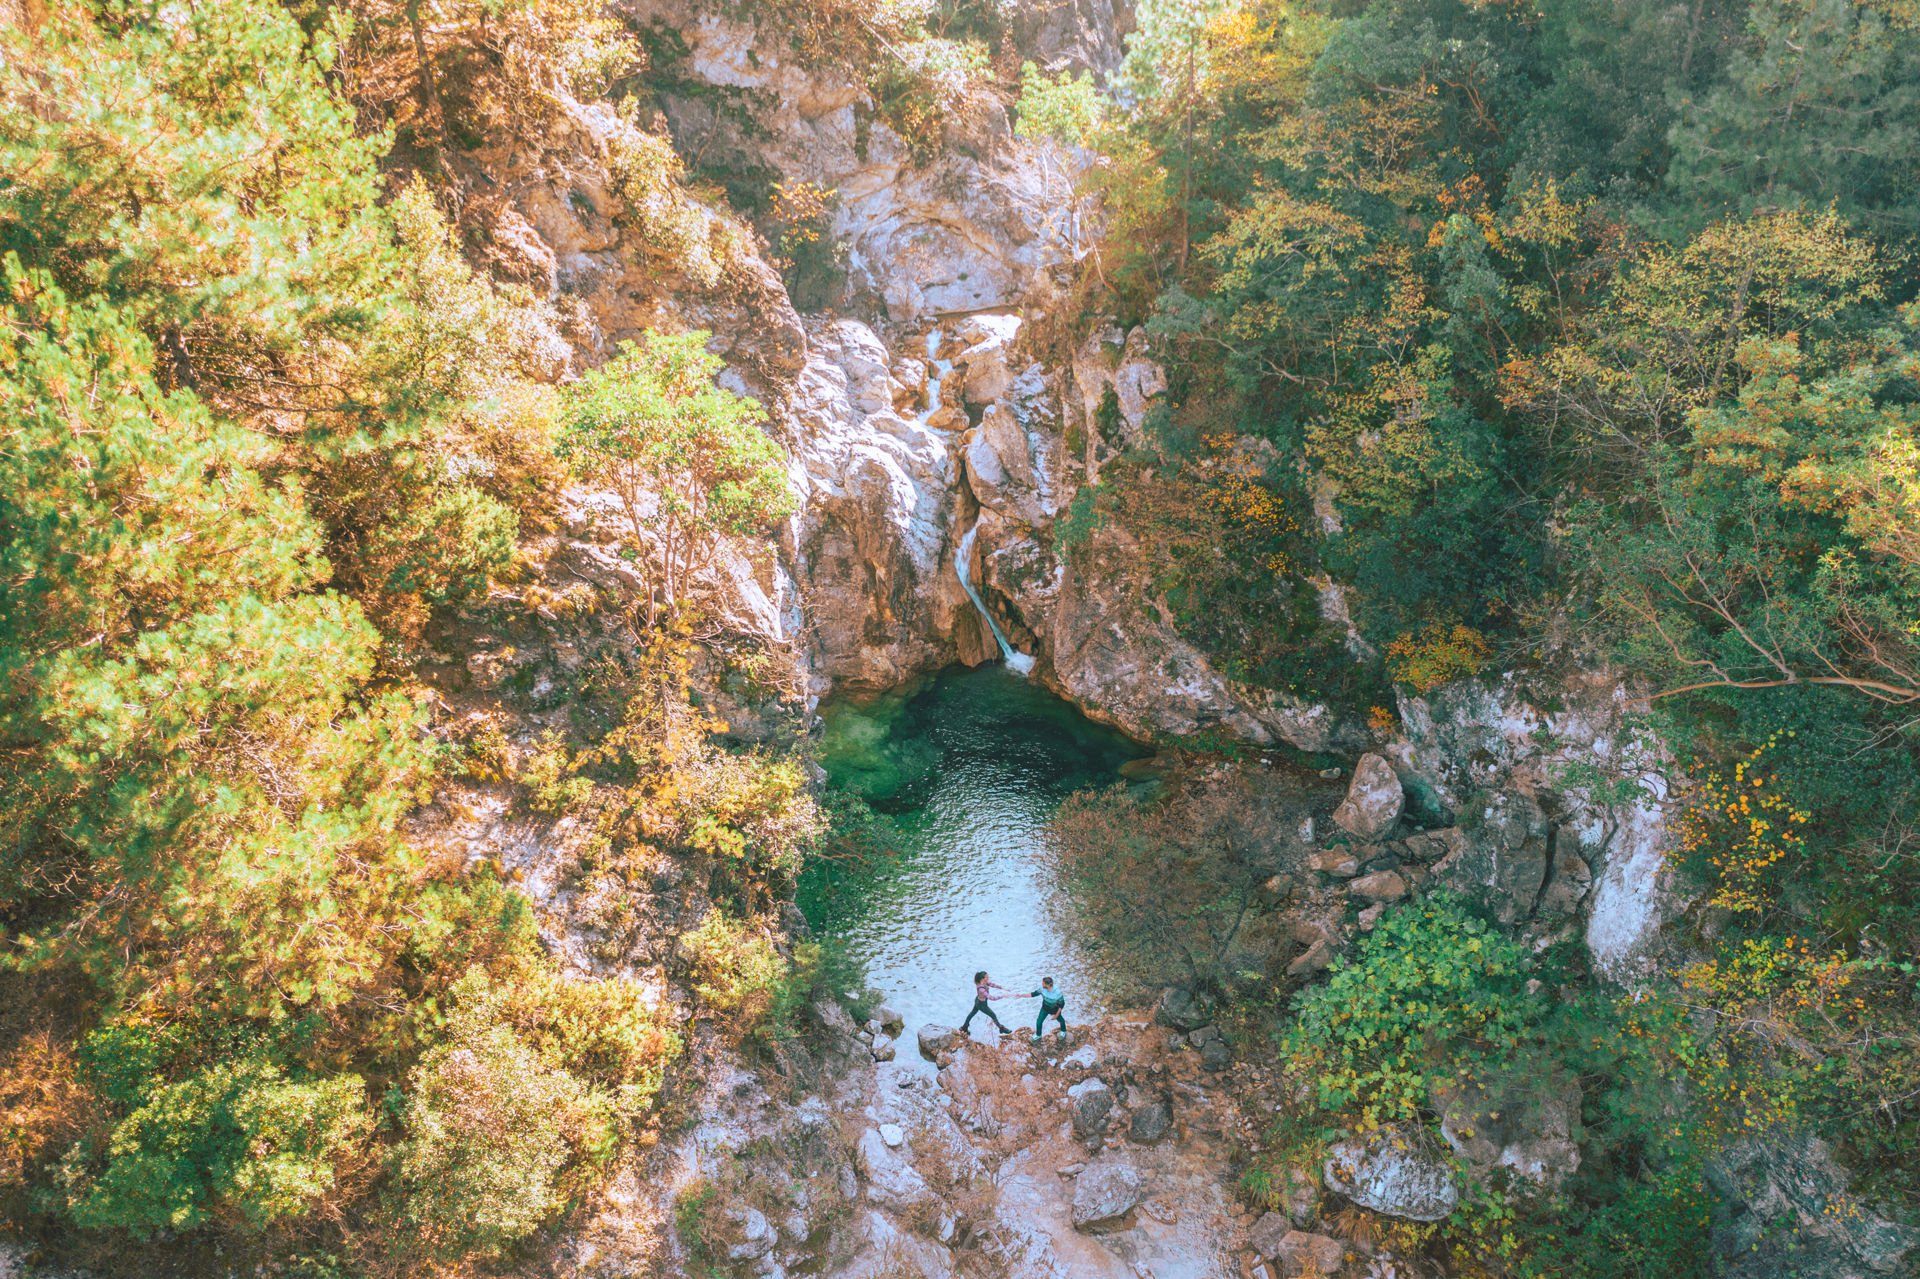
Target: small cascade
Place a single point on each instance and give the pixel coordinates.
(937, 371)
(1017, 662)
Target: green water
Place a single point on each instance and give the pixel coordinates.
(971, 768)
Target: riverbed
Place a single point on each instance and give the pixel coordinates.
(970, 767)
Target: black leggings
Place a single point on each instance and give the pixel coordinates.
(981, 1006)
(1058, 1012)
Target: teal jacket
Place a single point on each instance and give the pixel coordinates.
(1051, 999)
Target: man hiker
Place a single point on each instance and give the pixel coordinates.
(982, 993)
(1053, 1003)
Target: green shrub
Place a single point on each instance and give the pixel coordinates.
(239, 1141)
(1432, 989)
(547, 773)
(734, 970)
(491, 1132)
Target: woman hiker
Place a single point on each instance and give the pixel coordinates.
(982, 993)
(1053, 1003)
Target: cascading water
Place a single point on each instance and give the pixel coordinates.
(1017, 662)
(937, 371)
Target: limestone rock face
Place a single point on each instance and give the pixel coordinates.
(755, 1234)
(1111, 651)
(1106, 1191)
(892, 1181)
(884, 1251)
(871, 535)
(1774, 1215)
(1394, 1175)
(1504, 858)
(1374, 800)
(983, 228)
(1493, 736)
(1082, 35)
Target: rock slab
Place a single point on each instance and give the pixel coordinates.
(1374, 800)
(1105, 1192)
(1394, 1175)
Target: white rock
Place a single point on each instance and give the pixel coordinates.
(1374, 800)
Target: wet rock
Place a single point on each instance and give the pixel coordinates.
(1092, 1103)
(1374, 800)
(1150, 1124)
(1105, 1192)
(889, 1018)
(1381, 886)
(1394, 1174)
(935, 1040)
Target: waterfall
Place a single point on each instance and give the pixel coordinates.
(937, 372)
(1017, 662)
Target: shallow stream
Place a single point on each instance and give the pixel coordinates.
(971, 767)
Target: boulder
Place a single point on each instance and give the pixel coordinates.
(1374, 800)
(1105, 1192)
(1092, 1103)
(1303, 1254)
(1395, 1174)
(1264, 1239)
(892, 1182)
(1337, 862)
(882, 1048)
(833, 1018)
(1529, 1125)
(1381, 886)
(1216, 1054)
(935, 1040)
(890, 1019)
(1150, 1124)
(755, 1234)
(893, 1135)
(1179, 1009)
